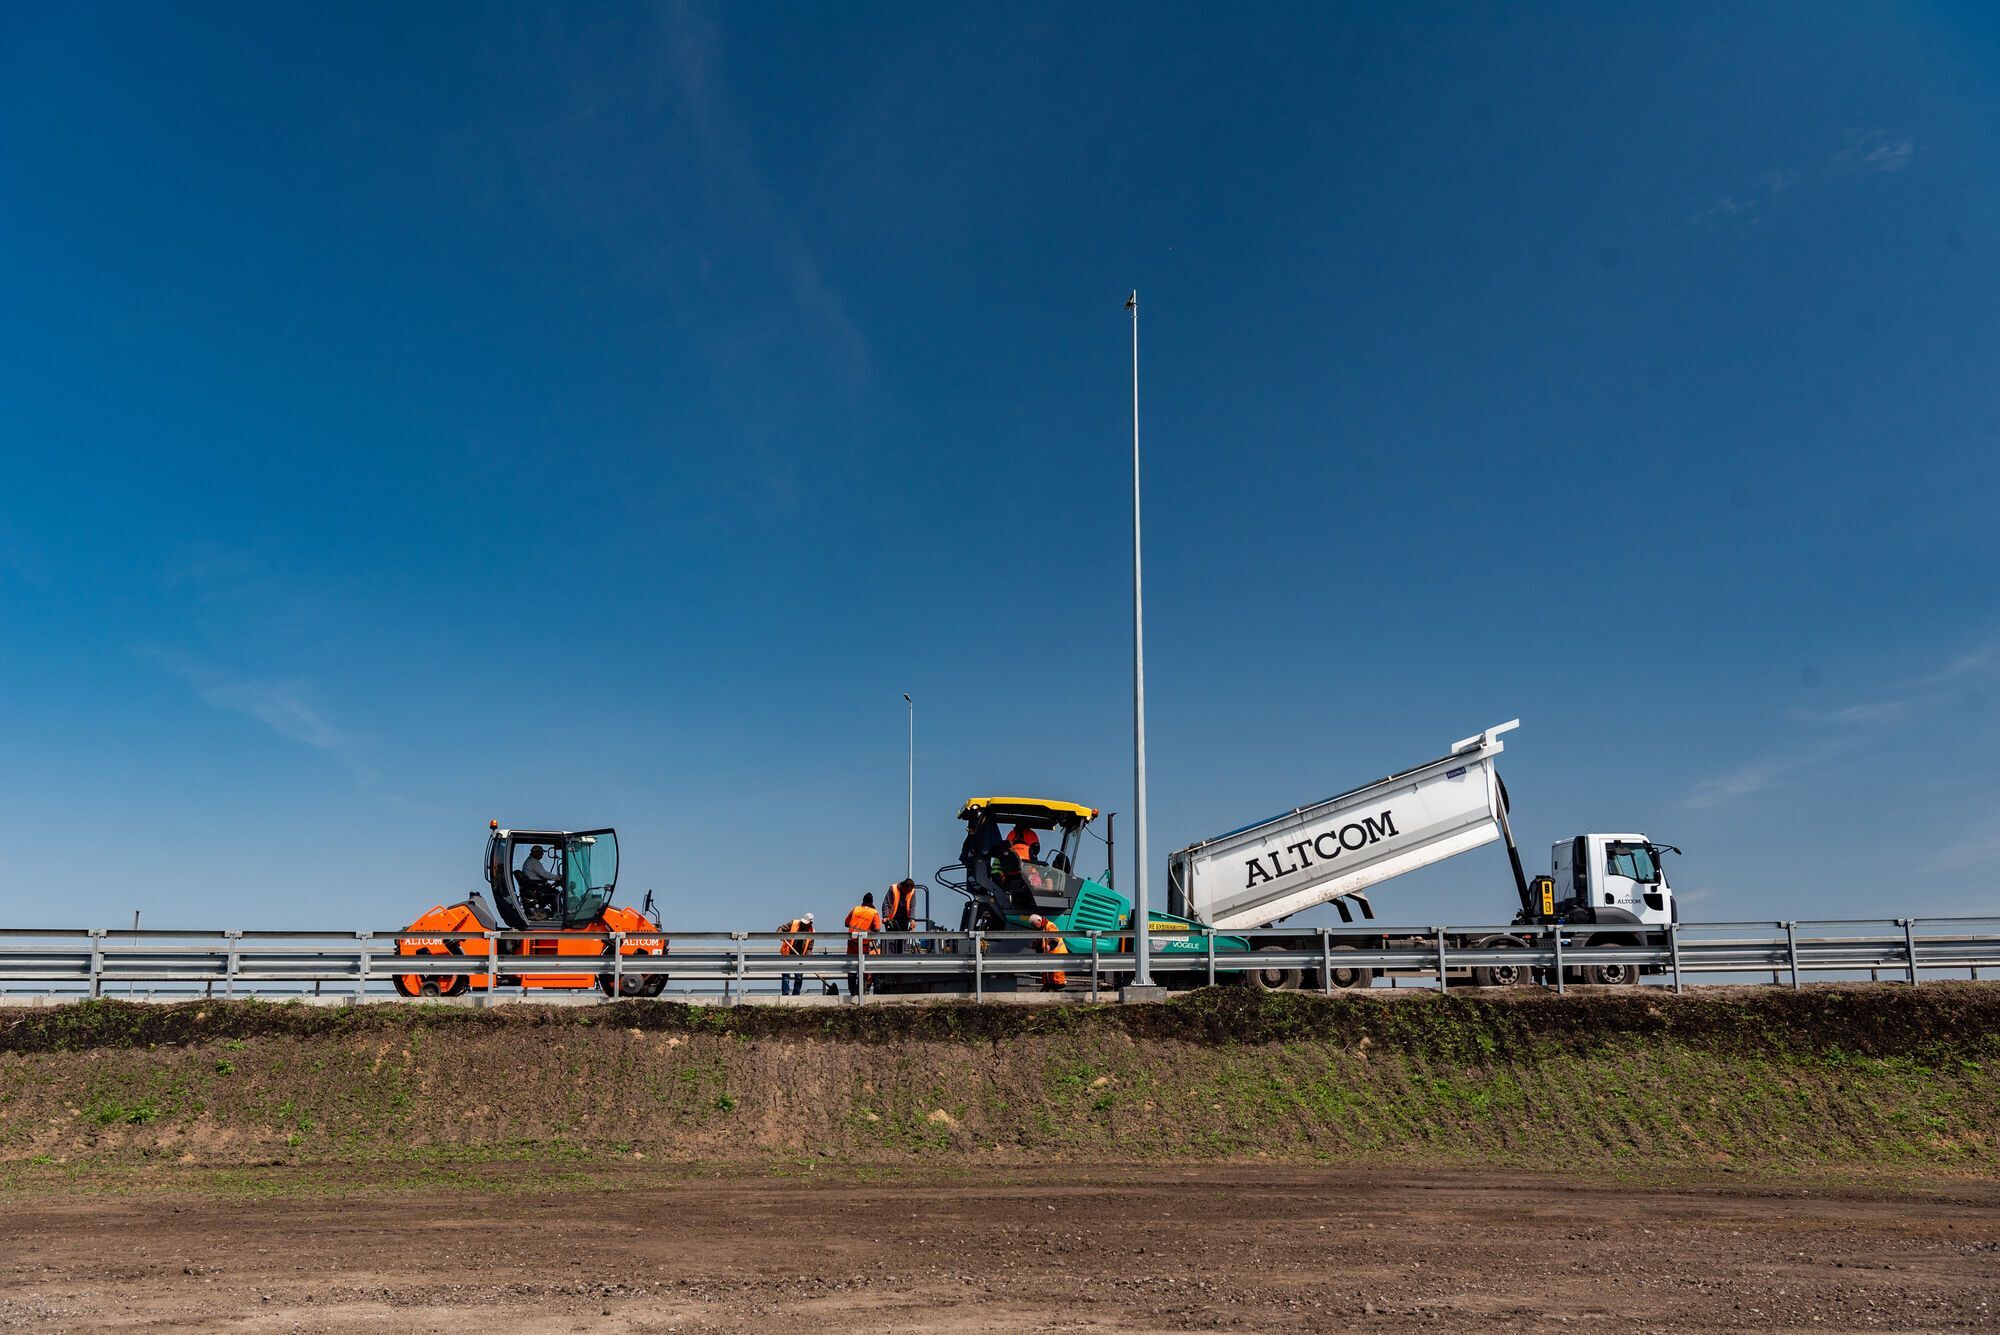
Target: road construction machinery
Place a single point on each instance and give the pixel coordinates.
(1020, 860)
(1331, 852)
(1336, 851)
(556, 885)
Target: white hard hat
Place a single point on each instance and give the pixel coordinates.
(807, 918)
(1039, 921)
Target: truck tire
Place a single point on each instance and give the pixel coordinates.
(1610, 975)
(1502, 975)
(1270, 979)
(1351, 975)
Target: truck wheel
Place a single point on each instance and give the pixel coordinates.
(1270, 979)
(1502, 975)
(1611, 975)
(1351, 975)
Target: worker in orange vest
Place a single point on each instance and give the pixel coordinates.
(792, 984)
(1027, 845)
(899, 909)
(1050, 944)
(861, 918)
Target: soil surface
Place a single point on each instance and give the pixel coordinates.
(1182, 1248)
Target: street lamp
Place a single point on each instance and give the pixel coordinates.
(1142, 970)
(910, 838)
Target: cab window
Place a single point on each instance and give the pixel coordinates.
(1633, 861)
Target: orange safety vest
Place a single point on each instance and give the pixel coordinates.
(863, 918)
(1052, 943)
(791, 945)
(896, 905)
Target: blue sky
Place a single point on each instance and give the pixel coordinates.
(603, 415)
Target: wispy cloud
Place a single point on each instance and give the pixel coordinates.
(281, 706)
(1761, 776)
(1977, 848)
(1863, 152)
(1839, 734)
(286, 706)
(1873, 151)
(1901, 701)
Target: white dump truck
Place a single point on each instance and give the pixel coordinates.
(1337, 851)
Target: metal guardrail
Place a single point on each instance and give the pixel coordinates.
(98, 962)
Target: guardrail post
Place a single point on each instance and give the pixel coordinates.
(1674, 949)
(742, 965)
(229, 964)
(361, 966)
(1211, 957)
(1094, 934)
(1910, 946)
(492, 964)
(1442, 984)
(979, 966)
(861, 968)
(97, 961)
(617, 965)
(1325, 962)
(1792, 951)
(1556, 932)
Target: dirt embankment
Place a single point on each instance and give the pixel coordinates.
(1862, 1078)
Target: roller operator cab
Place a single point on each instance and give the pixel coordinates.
(557, 885)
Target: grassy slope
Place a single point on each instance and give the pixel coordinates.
(1844, 1078)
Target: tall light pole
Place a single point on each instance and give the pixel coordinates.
(1142, 972)
(910, 838)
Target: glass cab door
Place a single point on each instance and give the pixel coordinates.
(590, 874)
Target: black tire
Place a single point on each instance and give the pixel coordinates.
(1610, 975)
(403, 985)
(623, 985)
(1270, 979)
(1351, 975)
(1503, 975)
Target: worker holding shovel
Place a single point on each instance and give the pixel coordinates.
(796, 946)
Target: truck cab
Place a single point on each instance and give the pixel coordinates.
(1613, 878)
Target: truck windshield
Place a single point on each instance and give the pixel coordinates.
(1632, 860)
(590, 866)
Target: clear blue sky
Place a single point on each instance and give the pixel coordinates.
(602, 414)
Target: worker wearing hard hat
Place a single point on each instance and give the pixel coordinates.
(1052, 943)
(1027, 845)
(899, 911)
(797, 946)
(861, 919)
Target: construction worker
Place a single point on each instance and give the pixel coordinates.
(1027, 845)
(1051, 944)
(861, 918)
(538, 885)
(792, 984)
(899, 911)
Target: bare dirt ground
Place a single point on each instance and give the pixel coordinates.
(1251, 1248)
